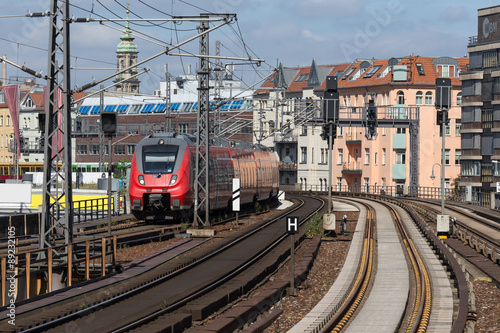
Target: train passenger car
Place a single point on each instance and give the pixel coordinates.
(162, 175)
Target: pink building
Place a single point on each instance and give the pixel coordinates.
(404, 91)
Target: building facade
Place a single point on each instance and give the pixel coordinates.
(481, 107)
(406, 150)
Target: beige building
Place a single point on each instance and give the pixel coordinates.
(407, 147)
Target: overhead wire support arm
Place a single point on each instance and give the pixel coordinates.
(24, 69)
(166, 51)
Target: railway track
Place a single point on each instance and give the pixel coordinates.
(418, 312)
(155, 302)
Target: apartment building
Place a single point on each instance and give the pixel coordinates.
(481, 107)
(407, 147)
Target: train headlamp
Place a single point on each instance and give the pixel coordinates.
(173, 179)
(141, 179)
(161, 142)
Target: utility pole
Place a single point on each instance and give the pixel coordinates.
(202, 184)
(168, 121)
(57, 125)
(101, 134)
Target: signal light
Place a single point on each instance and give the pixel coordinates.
(108, 123)
(439, 117)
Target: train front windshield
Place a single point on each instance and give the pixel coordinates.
(159, 158)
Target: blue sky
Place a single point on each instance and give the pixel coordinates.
(293, 31)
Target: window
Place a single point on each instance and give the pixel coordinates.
(341, 156)
(376, 158)
(428, 98)
(301, 77)
(459, 98)
(303, 154)
(312, 155)
(119, 149)
(447, 129)
(81, 149)
(339, 184)
(419, 98)
(471, 168)
(420, 69)
(446, 157)
(487, 118)
(446, 70)
(105, 151)
(367, 185)
(401, 97)
(184, 128)
(130, 149)
(401, 130)
(7, 123)
(458, 153)
(94, 149)
(1, 120)
(383, 156)
(458, 126)
(400, 157)
(372, 71)
(367, 156)
(304, 129)
(322, 154)
(340, 131)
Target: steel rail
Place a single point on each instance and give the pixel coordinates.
(139, 289)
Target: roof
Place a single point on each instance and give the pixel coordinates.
(411, 70)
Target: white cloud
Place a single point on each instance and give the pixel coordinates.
(309, 35)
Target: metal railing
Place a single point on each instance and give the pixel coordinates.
(83, 210)
(482, 199)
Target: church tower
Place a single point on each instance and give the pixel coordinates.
(126, 56)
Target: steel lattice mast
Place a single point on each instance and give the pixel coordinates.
(202, 190)
(57, 212)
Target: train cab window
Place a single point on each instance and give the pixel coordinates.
(159, 158)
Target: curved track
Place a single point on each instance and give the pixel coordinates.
(157, 300)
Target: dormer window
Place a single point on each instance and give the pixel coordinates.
(446, 70)
(384, 72)
(372, 71)
(348, 73)
(357, 74)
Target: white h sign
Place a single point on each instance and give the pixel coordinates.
(292, 224)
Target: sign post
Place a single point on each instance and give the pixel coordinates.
(236, 197)
(292, 227)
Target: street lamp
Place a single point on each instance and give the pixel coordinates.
(442, 185)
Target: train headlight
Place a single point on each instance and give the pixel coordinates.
(141, 179)
(173, 179)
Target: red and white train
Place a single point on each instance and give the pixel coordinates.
(162, 175)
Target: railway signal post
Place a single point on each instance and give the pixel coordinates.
(292, 227)
(443, 103)
(331, 119)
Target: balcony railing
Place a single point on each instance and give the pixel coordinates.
(288, 166)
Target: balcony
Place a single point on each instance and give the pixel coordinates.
(398, 171)
(288, 166)
(353, 168)
(472, 40)
(399, 141)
